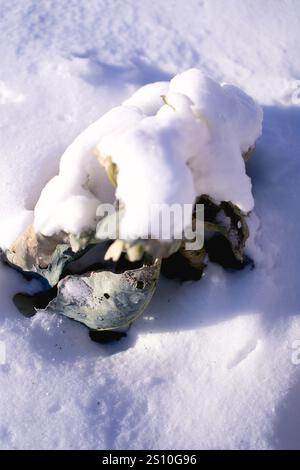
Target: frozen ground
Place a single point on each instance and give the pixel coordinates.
(210, 365)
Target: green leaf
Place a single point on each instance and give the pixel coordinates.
(105, 300)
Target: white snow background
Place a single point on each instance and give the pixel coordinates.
(211, 364)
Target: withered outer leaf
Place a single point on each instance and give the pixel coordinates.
(238, 232)
(34, 254)
(46, 257)
(104, 300)
(190, 264)
(235, 231)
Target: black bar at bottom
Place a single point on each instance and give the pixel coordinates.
(135, 459)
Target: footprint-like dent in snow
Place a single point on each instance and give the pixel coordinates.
(94, 71)
(8, 96)
(242, 354)
(55, 408)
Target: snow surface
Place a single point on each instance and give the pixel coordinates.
(210, 363)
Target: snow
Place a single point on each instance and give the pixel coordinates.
(190, 142)
(148, 98)
(210, 364)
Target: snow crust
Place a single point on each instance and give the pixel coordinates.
(212, 364)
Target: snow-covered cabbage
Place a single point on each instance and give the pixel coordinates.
(170, 142)
(177, 142)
